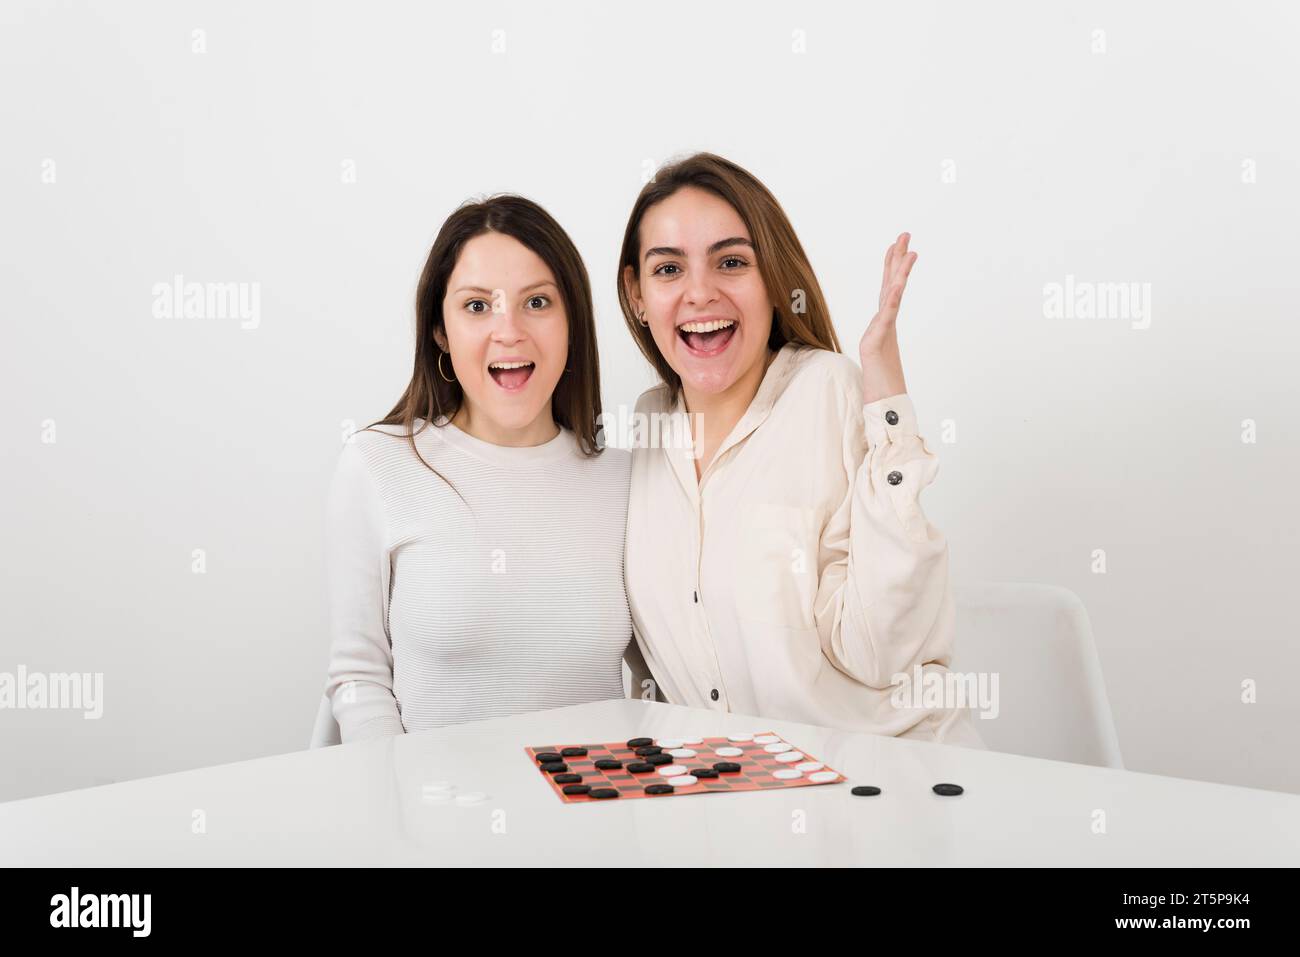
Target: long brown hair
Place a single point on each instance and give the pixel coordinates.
(782, 262)
(575, 404)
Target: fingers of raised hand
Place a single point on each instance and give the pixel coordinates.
(898, 263)
(892, 297)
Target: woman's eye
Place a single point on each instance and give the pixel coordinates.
(735, 259)
(473, 303)
(663, 270)
(538, 302)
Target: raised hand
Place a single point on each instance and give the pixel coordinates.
(882, 367)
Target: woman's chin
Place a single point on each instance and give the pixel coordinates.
(709, 381)
(706, 375)
(713, 375)
(507, 416)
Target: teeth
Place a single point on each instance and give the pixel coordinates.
(713, 326)
(509, 365)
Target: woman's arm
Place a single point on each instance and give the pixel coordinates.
(884, 602)
(360, 682)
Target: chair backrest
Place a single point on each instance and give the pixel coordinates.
(1051, 696)
(325, 731)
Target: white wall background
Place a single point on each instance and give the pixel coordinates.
(225, 166)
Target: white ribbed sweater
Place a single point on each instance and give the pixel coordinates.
(442, 613)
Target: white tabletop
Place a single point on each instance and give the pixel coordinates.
(363, 804)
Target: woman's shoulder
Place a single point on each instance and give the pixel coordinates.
(393, 429)
(811, 360)
(653, 399)
(611, 467)
(387, 449)
(385, 435)
(824, 377)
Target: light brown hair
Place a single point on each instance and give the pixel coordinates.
(782, 262)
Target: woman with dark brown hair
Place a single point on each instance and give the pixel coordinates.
(470, 576)
(778, 562)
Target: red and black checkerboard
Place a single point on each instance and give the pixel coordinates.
(755, 774)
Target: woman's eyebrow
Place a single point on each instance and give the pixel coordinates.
(720, 244)
(539, 283)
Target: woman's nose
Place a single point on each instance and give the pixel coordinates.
(506, 326)
(700, 288)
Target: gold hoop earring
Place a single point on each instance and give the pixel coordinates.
(440, 372)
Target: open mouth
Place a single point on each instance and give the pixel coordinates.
(707, 338)
(511, 376)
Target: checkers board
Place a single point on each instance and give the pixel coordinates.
(664, 767)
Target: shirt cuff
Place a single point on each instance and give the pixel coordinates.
(888, 418)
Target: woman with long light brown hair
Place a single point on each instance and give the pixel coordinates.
(778, 564)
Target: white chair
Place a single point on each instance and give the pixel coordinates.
(1051, 696)
(326, 730)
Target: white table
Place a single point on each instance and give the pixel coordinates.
(363, 804)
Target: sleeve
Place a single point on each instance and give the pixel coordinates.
(360, 682)
(884, 601)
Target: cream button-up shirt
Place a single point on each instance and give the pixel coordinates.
(798, 576)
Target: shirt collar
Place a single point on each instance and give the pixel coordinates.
(504, 456)
(774, 383)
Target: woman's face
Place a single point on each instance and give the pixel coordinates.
(708, 310)
(508, 336)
